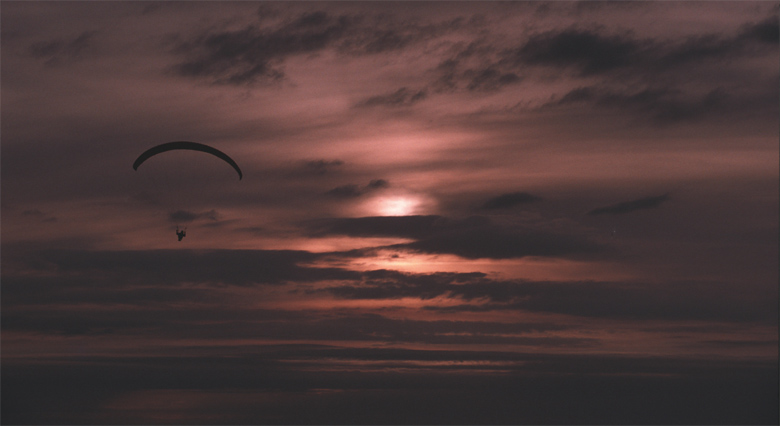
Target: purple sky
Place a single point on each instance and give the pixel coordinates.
(451, 212)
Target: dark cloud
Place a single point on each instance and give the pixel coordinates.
(661, 105)
(236, 267)
(251, 54)
(708, 301)
(673, 111)
(346, 191)
(200, 313)
(741, 343)
(378, 184)
(386, 33)
(33, 213)
(184, 216)
(354, 191)
(489, 79)
(322, 166)
(766, 31)
(473, 238)
(497, 242)
(401, 97)
(631, 206)
(98, 290)
(698, 48)
(589, 51)
(39, 215)
(156, 280)
(593, 51)
(57, 51)
(387, 284)
(256, 53)
(634, 301)
(377, 40)
(475, 67)
(378, 226)
(505, 201)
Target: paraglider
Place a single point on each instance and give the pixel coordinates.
(181, 234)
(186, 145)
(193, 146)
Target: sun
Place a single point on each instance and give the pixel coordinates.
(397, 206)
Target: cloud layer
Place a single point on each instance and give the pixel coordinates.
(468, 212)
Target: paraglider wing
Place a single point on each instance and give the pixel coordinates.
(193, 146)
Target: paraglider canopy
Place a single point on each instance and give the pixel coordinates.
(193, 146)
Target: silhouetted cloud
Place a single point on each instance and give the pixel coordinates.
(631, 206)
(346, 191)
(473, 238)
(766, 31)
(63, 49)
(39, 215)
(378, 184)
(489, 79)
(589, 51)
(661, 105)
(593, 51)
(710, 301)
(506, 201)
(323, 166)
(353, 191)
(166, 267)
(33, 213)
(401, 97)
(184, 216)
(378, 226)
(256, 52)
(476, 68)
(496, 242)
(251, 54)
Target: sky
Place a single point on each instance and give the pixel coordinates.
(450, 212)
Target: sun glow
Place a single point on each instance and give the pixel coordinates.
(397, 206)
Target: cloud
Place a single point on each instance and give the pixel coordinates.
(662, 105)
(475, 67)
(766, 31)
(39, 215)
(631, 206)
(673, 301)
(589, 51)
(593, 51)
(168, 267)
(184, 216)
(60, 50)
(497, 242)
(385, 32)
(627, 61)
(354, 191)
(378, 184)
(505, 201)
(377, 226)
(252, 54)
(256, 53)
(489, 79)
(401, 97)
(321, 167)
(473, 238)
(346, 191)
